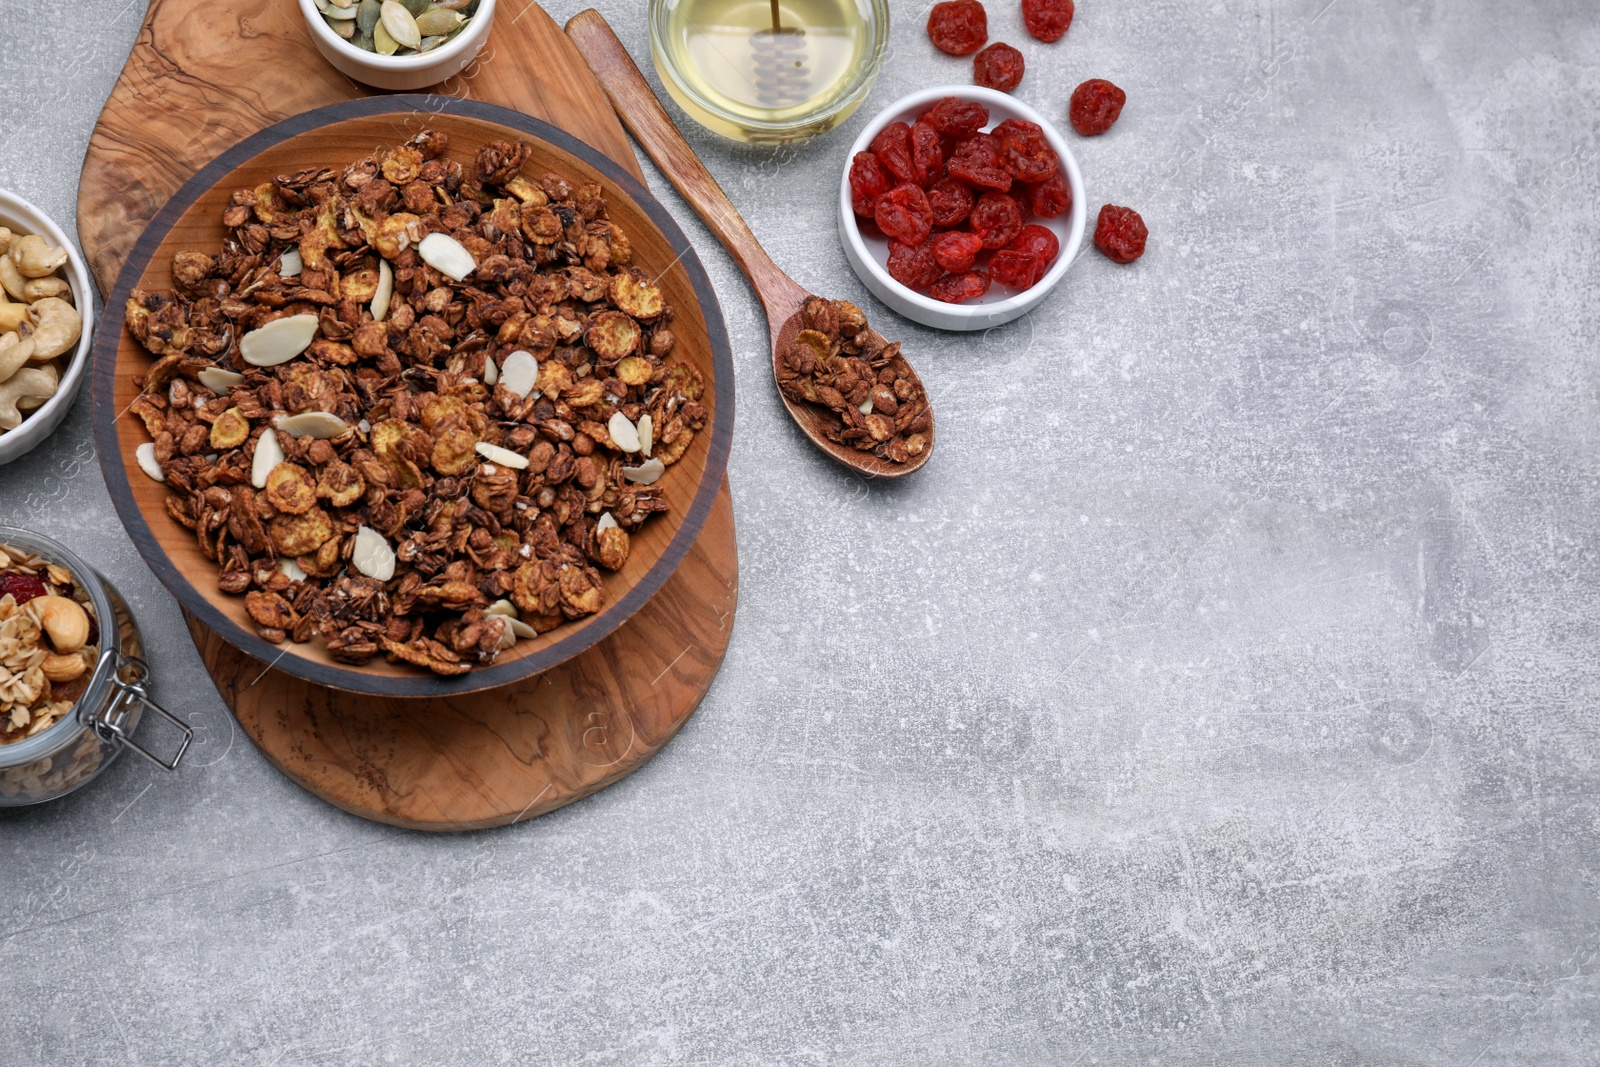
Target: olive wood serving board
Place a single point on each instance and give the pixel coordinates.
(202, 77)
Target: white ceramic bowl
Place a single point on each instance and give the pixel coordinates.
(401, 72)
(21, 217)
(869, 255)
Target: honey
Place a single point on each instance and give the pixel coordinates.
(768, 71)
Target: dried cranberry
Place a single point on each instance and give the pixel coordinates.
(955, 117)
(867, 182)
(951, 203)
(22, 586)
(913, 266)
(927, 154)
(1095, 106)
(1050, 198)
(976, 161)
(892, 146)
(1120, 233)
(954, 288)
(1040, 242)
(998, 67)
(996, 220)
(1016, 269)
(1047, 20)
(904, 215)
(956, 251)
(958, 27)
(1025, 152)
(94, 630)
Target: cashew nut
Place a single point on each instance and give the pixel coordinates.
(12, 316)
(39, 288)
(36, 258)
(15, 350)
(56, 327)
(30, 382)
(11, 278)
(5, 240)
(59, 668)
(64, 620)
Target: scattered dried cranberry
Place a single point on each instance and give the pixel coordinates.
(1040, 242)
(957, 251)
(996, 220)
(904, 215)
(927, 154)
(954, 288)
(1016, 269)
(22, 586)
(892, 146)
(1047, 20)
(955, 117)
(1120, 233)
(951, 203)
(1025, 152)
(998, 67)
(976, 161)
(1095, 106)
(1050, 198)
(867, 182)
(959, 27)
(914, 266)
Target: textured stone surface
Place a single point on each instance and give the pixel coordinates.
(1224, 691)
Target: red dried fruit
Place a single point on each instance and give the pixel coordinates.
(954, 288)
(996, 220)
(951, 202)
(1040, 242)
(955, 117)
(927, 154)
(976, 161)
(1050, 198)
(1047, 20)
(1016, 269)
(957, 251)
(1095, 106)
(998, 67)
(904, 215)
(1120, 233)
(959, 27)
(868, 181)
(914, 266)
(1025, 152)
(24, 587)
(892, 146)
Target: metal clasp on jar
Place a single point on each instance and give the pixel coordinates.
(128, 697)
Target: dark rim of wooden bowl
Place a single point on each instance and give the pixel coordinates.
(355, 679)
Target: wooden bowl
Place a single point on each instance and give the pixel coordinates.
(335, 136)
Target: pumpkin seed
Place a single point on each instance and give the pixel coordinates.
(367, 13)
(382, 43)
(364, 41)
(343, 3)
(400, 23)
(430, 43)
(343, 14)
(438, 21)
(345, 28)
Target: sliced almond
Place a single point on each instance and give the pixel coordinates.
(623, 432)
(219, 381)
(290, 264)
(647, 473)
(866, 406)
(268, 455)
(508, 611)
(503, 456)
(278, 341)
(444, 253)
(607, 521)
(491, 373)
(520, 373)
(385, 291)
(291, 570)
(502, 607)
(372, 555)
(146, 455)
(647, 434)
(321, 425)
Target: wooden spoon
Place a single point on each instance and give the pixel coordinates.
(780, 295)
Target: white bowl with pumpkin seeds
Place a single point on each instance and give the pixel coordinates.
(399, 44)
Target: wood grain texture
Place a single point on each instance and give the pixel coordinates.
(444, 762)
(781, 296)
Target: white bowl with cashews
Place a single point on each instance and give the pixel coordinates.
(46, 324)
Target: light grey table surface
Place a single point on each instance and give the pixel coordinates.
(1223, 692)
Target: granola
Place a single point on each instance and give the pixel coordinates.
(836, 363)
(48, 644)
(408, 392)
